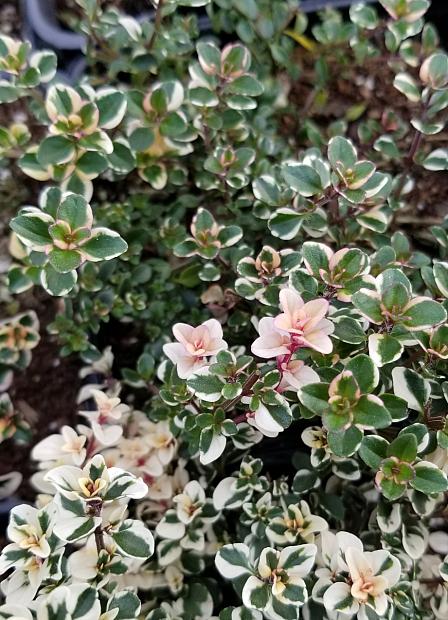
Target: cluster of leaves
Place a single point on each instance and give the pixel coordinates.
(288, 445)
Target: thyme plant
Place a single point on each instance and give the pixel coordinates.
(277, 447)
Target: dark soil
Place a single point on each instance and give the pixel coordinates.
(370, 86)
(44, 393)
(430, 195)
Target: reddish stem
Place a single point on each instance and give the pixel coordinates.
(90, 449)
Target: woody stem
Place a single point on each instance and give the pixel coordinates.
(90, 449)
(99, 539)
(409, 160)
(96, 507)
(251, 380)
(157, 24)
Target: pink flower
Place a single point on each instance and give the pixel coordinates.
(299, 325)
(305, 322)
(272, 341)
(194, 345)
(295, 374)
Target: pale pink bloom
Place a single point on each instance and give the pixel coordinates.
(368, 582)
(295, 374)
(194, 345)
(305, 322)
(110, 409)
(162, 441)
(272, 342)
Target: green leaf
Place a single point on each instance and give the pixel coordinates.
(397, 407)
(232, 561)
(8, 92)
(436, 160)
(406, 84)
(384, 349)
(76, 211)
(46, 63)
(235, 59)
(341, 153)
(246, 85)
(423, 313)
(369, 304)
(420, 432)
(229, 235)
(203, 97)
(373, 450)
(316, 257)
(29, 78)
(104, 244)
(127, 603)
(348, 330)
(209, 56)
(173, 125)
(231, 390)
(360, 174)
(302, 179)
(396, 297)
(345, 443)
(404, 447)
(429, 478)
(91, 164)
(64, 261)
(434, 70)
(112, 106)
(55, 150)
(122, 160)
(259, 595)
(33, 228)
(84, 604)
(141, 139)
(286, 223)
(386, 145)
(206, 386)
(369, 412)
(97, 141)
(314, 397)
(364, 16)
(134, 539)
(389, 278)
(265, 188)
(392, 490)
(440, 271)
(57, 284)
(203, 221)
(364, 371)
(305, 480)
(78, 529)
(281, 413)
(186, 248)
(412, 387)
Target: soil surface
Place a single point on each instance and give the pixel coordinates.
(368, 92)
(44, 393)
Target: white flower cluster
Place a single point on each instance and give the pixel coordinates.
(81, 539)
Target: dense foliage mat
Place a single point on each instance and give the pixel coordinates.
(240, 234)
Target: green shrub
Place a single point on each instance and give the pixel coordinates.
(257, 209)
